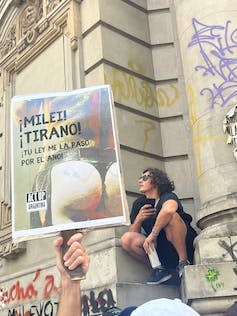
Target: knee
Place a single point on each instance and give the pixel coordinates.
(125, 240)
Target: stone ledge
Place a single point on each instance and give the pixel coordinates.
(210, 280)
(210, 288)
(138, 293)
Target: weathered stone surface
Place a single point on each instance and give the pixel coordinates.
(215, 287)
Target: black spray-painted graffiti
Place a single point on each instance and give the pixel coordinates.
(47, 308)
(92, 305)
(230, 251)
(218, 48)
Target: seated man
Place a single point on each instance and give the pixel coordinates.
(165, 227)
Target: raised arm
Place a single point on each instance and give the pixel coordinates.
(70, 297)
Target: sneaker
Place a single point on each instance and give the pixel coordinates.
(181, 265)
(159, 276)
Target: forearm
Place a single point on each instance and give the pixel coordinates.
(164, 217)
(161, 221)
(70, 299)
(135, 227)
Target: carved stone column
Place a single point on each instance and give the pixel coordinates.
(207, 33)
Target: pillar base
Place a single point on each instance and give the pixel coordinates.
(210, 288)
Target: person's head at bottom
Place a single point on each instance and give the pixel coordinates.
(158, 307)
(232, 310)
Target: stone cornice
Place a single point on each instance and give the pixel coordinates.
(30, 18)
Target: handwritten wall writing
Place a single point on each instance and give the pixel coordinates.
(36, 294)
(41, 287)
(167, 96)
(92, 304)
(127, 87)
(47, 308)
(217, 46)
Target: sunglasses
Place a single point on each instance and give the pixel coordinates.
(145, 177)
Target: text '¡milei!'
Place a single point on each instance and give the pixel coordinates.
(28, 132)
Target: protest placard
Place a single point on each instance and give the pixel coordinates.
(65, 159)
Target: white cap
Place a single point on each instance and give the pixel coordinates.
(164, 307)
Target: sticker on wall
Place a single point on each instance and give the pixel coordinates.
(230, 128)
(212, 276)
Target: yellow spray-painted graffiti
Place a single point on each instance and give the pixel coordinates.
(148, 127)
(198, 139)
(167, 96)
(127, 87)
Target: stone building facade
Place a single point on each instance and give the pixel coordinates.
(171, 67)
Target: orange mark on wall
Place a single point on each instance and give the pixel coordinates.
(19, 292)
(49, 288)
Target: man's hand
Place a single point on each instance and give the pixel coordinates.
(145, 212)
(150, 243)
(75, 256)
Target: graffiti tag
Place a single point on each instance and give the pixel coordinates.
(91, 305)
(95, 305)
(47, 308)
(18, 292)
(129, 88)
(218, 47)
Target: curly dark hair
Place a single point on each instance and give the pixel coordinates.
(161, 180)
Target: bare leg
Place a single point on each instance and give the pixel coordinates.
(132, 242)
(176, 232)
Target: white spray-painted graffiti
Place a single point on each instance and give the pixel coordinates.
(218, 49)
(230, 128)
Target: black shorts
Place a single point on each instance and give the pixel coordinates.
(168, 255)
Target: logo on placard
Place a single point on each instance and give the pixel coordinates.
(36, 201)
